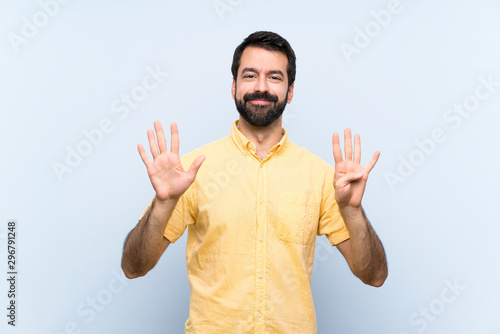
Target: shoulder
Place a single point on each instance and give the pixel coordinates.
(208, 150)
(305, 156)
(313, 169)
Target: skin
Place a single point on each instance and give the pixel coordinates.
(363, 251)
(260, 71)
(145, 243)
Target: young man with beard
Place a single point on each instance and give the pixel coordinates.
(253, 203)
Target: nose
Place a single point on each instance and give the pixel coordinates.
(261, 84)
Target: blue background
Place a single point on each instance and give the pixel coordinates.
(433, 207)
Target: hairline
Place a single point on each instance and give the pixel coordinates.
(267, 48)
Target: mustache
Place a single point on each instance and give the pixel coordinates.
(260, 96)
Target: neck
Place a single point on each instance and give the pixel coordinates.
(264, 138)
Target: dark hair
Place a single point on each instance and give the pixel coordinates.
(269, 41)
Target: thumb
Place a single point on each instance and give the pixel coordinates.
(193, 170)
(350, 177)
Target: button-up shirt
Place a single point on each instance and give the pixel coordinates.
(252, 226)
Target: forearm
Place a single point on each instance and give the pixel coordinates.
(368, 259)
(143, 246)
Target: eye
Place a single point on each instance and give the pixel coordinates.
(249, 76)
(276, 77)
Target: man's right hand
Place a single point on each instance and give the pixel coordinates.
(168, 177)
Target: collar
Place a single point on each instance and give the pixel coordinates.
(245, 145)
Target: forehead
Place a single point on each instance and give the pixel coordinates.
(263, 60)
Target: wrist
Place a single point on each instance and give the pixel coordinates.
(166, 202)
(348, 211)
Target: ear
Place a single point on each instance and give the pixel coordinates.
(290, 93)
(233, 89)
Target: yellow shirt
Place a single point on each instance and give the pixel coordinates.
(252, 227)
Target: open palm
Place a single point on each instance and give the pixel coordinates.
(168, 177)
(350, 177)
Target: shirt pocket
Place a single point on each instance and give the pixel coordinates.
(295, 217)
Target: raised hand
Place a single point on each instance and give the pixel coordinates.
(350, 177)
(167, 176)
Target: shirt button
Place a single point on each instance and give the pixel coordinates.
(261, 276)
(244, 151)
(261, 201)
(261, 239)
(259, 314)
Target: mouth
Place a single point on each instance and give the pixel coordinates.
(259, 101)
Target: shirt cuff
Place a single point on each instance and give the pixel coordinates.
(171, 235)
(337, 238)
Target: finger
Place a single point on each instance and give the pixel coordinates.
(195, 166)
(357, 149)
(373, 161)
(337, 152)
(174, 139)
(152, 144)
(347, 144)
(160, 136)
(350, 177)
(144, 156)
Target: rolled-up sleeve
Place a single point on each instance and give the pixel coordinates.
(331, 222)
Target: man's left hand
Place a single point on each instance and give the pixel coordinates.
(350, 177)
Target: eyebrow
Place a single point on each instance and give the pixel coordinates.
(251, 69)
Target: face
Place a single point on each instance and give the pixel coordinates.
(261, 89)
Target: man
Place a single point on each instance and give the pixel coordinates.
(254, 208)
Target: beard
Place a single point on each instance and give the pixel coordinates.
(260, 115)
